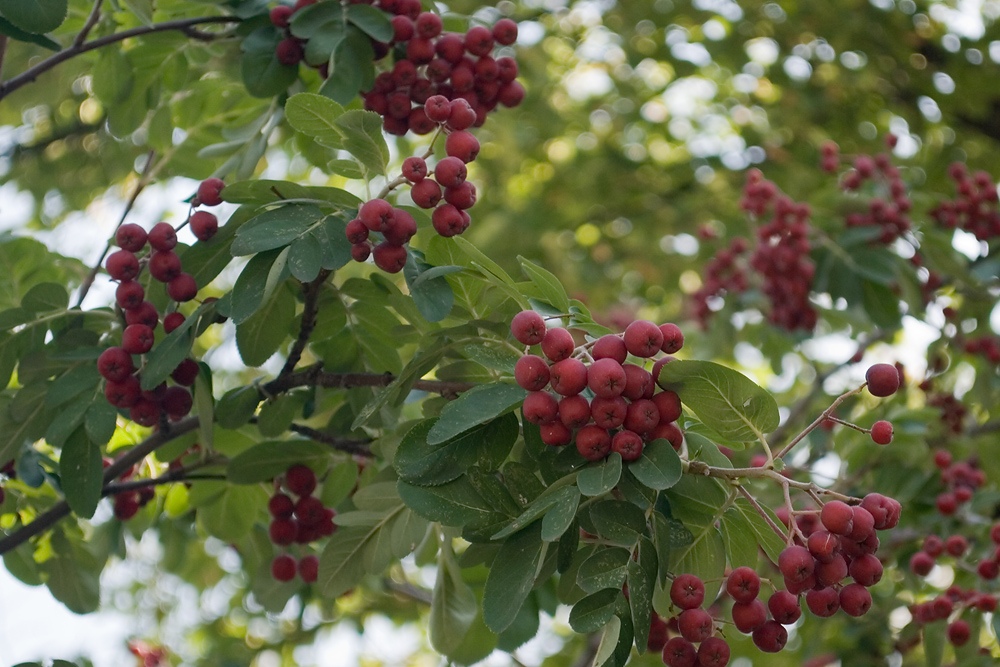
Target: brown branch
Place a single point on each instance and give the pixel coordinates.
(95, 15)
(4, 40)
(314, 377)
(139, 187)
(181, 25)
(311, 292)
(819, 420)
(349, 445)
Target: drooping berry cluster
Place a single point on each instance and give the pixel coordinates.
(291, 50)
(298, 521)
(127, 504)
(987, 347)
(591, 394)
(888, 204)
(696, 643)
(961, 480)
(975, 207)
(434, 68)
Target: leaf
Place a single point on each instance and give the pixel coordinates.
(71, 416)
(453, 606)
(172, 350)
(231, 516)
(45, 297)
(100, 422)
(251, 288)
(739, 538)
(36, 16)
(454, 504)
(641, 579)
(764, 535)
(608, 642)
(659, 467)
(340, 564)
(723, 399)
(605, 568)
(81, 474)
(431, 292)
(260, 336)
(275, 228)
(204, 404)
(237, 406)
(314, 116)
(73, 582)
(560, 517)
(420, 463)
(549, 286)
(599, 478)
(594, 611)
(476, 406)
(538, 507)
(350, 65)
(362, 132)
(269, 459)
(11, 30)
(262, 72)
(618, 522)
(305, 258)
(374, 22)
(511, 578)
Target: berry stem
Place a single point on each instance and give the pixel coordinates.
(819, 420)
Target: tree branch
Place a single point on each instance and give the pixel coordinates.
(95, 15)
(181, 25)
(311, 291)
(314, 377)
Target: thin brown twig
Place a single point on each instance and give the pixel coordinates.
(760, 510)
(139, 187)
(819, 420)
(3, 51)
(95, 16)
(310, 310)
(312, 377)
(181, 25)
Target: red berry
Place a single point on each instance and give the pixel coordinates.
(414, 169)
(282, 530)
(126, 506)
(528, 327)
(437, 108)
(144, 313)
(796, 563)
(823, 602)
(881, 432)
(673, 338)
(162, 236)
(610, 346)
(695, 625)
(164, 265)
(558, 344)
(461, 115)
(463, 145)
(866, 570)
(428, 25)
(921, 563)
(784, 607)
(748, 616)
(129, 294)
(401, 229)
(137, 339)
(855, 600)
(593, 442)
(131, 237)
(145, 412)
(531, 373)
(505, 32)
(956, 545)
(122, 265)
(822, 544)
(713, 652)
(289, 51)
(837, 517)
(679, 652)
(574, 411)
(177, 402)
(309, 568)
(555, 434)
(389, 257)
(479, 40)
(958, 632)
(833, 571)
(115, 364)
(461, 196)
(628, 444)
(283, 568)
(743, 584)
(376, 214)
(210, 191)
(309, 511)
(687, 591)
(186, 372)
(449, 221)
(172, 320)
(182, 288)
(882, 379)
(123, 394)
(450, 172)
(300, 480)
(426, 193)
(204, 225)
(642, 416)
(643, 338)
(279, 16)
(568, 377)
(606, 378)
(770, 637)
(610, 412)
(280, 506)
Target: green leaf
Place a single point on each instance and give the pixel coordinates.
(11, 30)
(934, 641)
(594, 611)
(112, 77)
(81, 473)
(538, 507)
(100, 422)
(204, 404)
(605, 568)
(314, 116)
(763, 534)
(252, 287)
(599, 478)
(723, 399)
(426, 465)
(882, 305)
(275, 228)
(618, 522)
(350, 65)
(173, 349)
(704, 557)
(340, 564)
(262, 72)
(45, 297)
(431, 292)
(36, 16)
(260, 336)
(548, 285)
(278, 412)
(511, 578)
(237, 406)
(362, 132)
(305, 258)
(270, 459)
(641, 580)
(71, 416)
(374, 22)
(453, 606)
(739, 538)
(659, 467)
(456, 503)
(608, 642)
(560, 517)
(231, 516)
(476, 406)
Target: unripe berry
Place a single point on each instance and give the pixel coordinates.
(687, 592)
(882, 379)
(881, 432)
(162, 237)
(131, 237)
(283, 568)
(300, 480)
(210, 191)
(122, 265)
(204, 225)
(528, 327)
(531, 373)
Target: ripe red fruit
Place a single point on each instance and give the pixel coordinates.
(177, 402)
(282, 530)
(942, 458)
(279, 16)
(658, 633)
(401, 229)
(126, 505)
(463, 145)
(643, 338)
(540, 407)
(638, 383)
(933, 546)
(528, 327)
(881, 432)
(668, 404)
(988, 569)
(606, 378)
(300, 479)
(855, 600)
(204, 225)
(822, 544)
(145, 412)
(505, 32)
(796, 563)
(479, 40)
(164, 265)
(770, 637)
(210, 191)
(356, 231)
(837, 517)
(122, 265)
(461, 196)
(131, 237)
(172, 320)
(593, 442)
(137, 339)
(823, 602)
(568, 377)
(628, 444)
(450, 172)
(687, 591)
(115, 364)
(748, 616)
(863, 524)
(123, 394)
(283, 568)
(162, 237)
(713, 652)
(574, 411)
(289, 51)
(743, 584)
(921, 563)
(376, 214)
(129, 294)
(428, 25)
(186, 372)
(695, 625)
(558, 344)
(309, 568)
(947, 503)
(956, 545)
(882, 379)
(309, 511)
(642, 416)
(389, 257)
(673, 338)
(609, 413)
(182, 288)
(531, 372)
(610, 346)
(461, 115)
(280, 506)
(784, 607)
(145, 313)
(555, 434)
(958, 632)
(426, 194)
(414, 169)
(437, 108)
(449, 221)
(679, 652)
(832, 572)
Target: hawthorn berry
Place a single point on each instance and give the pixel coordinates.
(882, 379)
(162, 237)
(210, 191)
(280, 506)
(172, 320)
(593, 442)
(855, 599)
(137, 339)
(823, 602)
(606, 378)
(130, 237)
(283, 530)
(283, 568)
(687, 591)
(609, 413)
(122, 265)
(129, 294)
(748, 616)
(770, 637)
(796, 563)
(713, 652)
(300, 479)
(164, 265)
(837, 517)
(628, 444)
(743, 584)
(574, 411)
(881, 432)
(610, 346)
(555, 433)
(643, 338)
(540, 407)
(558, 344)
(679, 652)
(427, 193)
(568, 377)
(182, 287)
(115, 364)
(528, 327)
(463, 145)
(389, 257)
(309, 568)
(204, 225)
(784, 607)
(177, 402)
(414, 169)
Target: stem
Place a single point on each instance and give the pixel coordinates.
(701, 468)
(760, 510)
(314, 377)
(95, 15)
(819, 420)
(182, 25)
(351, 446)
(311, 308)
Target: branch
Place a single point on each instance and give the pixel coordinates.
(181, 25)
(311, 291)
(314, 377)
(819, 420)
(355, 447)
(95, 15)
(702, 468)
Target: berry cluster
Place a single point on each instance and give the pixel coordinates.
(725, 272)
(623, 410)
(435, 69)
(290, 50)
(298, 521)
(889, 204)
(694, 626)
(987, 347)
(127, 504)
(975, 207)
(961, 480)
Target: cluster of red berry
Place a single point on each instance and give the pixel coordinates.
(127, 503)
(116, 365)
(693, 624)
(298, 521)
(396, 226)
(290, 50)
(725, 272)
(961, 478)
(625, 411)
(436, 68)
(987, 347)
(975, 207)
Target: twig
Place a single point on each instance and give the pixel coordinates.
(760, 510)
(182, 25)
(312, 377)
(702, 468)
(139, 186)
(311, 291)
(819, 420)
(95, 15)
(3, 51)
